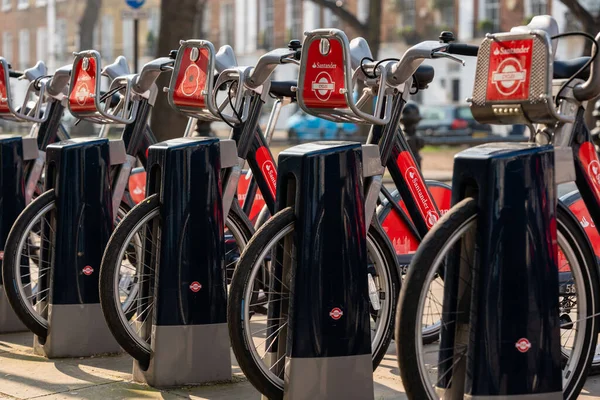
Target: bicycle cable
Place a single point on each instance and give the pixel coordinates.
(232, 126)
(587, 64)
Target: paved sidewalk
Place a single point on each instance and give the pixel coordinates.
(24, 375)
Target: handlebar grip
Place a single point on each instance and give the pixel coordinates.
(590, 88)
(15, 74)
(462, 49)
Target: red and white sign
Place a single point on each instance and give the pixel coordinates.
(264, 159)
(589, 161)
(523, 345)
(88, 270)
(394, 225)
(195, 286)
(191, 79)
(509, 70)
(81, 97)
(137, 186)
(336, 313)
(324, 76)
(323, 86)
(417, 188)
(3, 94)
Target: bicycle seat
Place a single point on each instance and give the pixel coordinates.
(36, 71)
(283, 88)
(545, 23)
(117, 68)
(423, 76)
(359, 49)
(566, 69)
(225, 58)
(60, 80)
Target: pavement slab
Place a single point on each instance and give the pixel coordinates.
(24, 375)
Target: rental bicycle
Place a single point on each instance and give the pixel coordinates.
(28, 259)
(573, 83)
(253, 287)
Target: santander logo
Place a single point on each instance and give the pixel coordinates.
(324, 66)
(516, 50)
(412, 177)
(269, 171)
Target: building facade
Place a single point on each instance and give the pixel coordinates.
(254, 26)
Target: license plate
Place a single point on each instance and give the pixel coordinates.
(479, 134)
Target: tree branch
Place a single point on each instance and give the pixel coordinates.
(580, 13)
(345, 15)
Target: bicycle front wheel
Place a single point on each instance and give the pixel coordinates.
(26, 265)
(253, 285)
(423, 290)
(128, 269)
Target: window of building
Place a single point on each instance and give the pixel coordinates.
(227, 34)
(538, 7)
(408, 8)
(362, 10)
(41, 3)
(296, 19)
(330, 20)
(266, 24)
(24, 48)
(41, 44)
(128, 40)
(7, 46)
(447, 13)
(60, 41)
(22, 4)
(491, 14)
(6, 5)
(108, 37)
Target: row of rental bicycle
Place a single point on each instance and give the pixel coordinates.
(175, 253)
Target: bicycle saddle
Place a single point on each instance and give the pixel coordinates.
(36, 71)
(542, 22)
(359, 49)
(59, 80)
(117, 68)
(225, 58)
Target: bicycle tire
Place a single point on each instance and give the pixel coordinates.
(408, 318)
(111, 260)
(12, 257)
(263, 236)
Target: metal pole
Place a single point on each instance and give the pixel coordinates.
(135, 44)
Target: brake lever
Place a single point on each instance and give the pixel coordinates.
(441, 54)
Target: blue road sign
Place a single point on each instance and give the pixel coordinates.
(135, 4)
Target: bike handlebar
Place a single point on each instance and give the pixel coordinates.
(462, 49)
(590, 88)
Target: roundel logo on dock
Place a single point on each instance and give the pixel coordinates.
(509, 76)
(336, 313)
(88, 270)
(323, 86)
(523, 345)
(195, 286)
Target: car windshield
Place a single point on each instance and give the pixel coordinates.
(464, 113)
(434, 113)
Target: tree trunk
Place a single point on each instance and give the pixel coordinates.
(176, 23)
(373, 35)
(87, 23)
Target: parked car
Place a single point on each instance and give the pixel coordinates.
(450, 120)
(302, 126)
